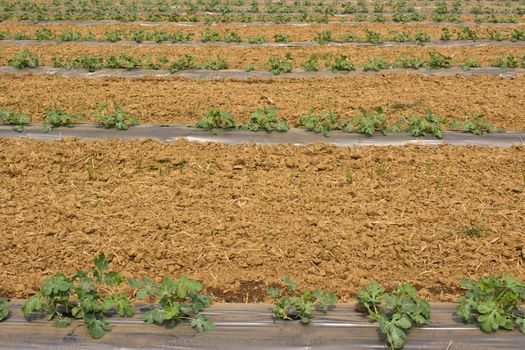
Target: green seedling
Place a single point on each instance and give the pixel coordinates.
(376, 64)
(438, 60)
(367, 122)
(503, 61)
(324, 37)
(257, 40)
(176, 301)
(114, 118)
(281, 38)
(341, 64)
(215, 120)
(181, 37)
(409, 62)
(70, 35)
(57, 118)
(396, 312)
(25, 59)
(185, 62)
(278, 65)
(471, 63)
(17, 120)
(210, 35)
(477, 125)
(421, 37)
(323, 123)
(86, 295)
(219, 63)
(429, 124)
(232, 37)
(291, 304)
(265, 119)
(311, 64)
(4, 309)
(493, 303)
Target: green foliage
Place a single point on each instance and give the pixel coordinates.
(87, 295)
(265, 119)
(477, 125)
(17, 120)
(70, 35)
(114, 117)
(281, 38)
(493, 303)
(215, 120)
(43, 34)
(181, 37)
(396, 312)
(373, 37)
(57, 118)
(311, 64)
(409, 62)
(421, 37)
(292, 304)
(123, 61)
(210, 35)
(341, 64)
(324, 37)
(471, 63)
(503, 61)
(429, 124)
(113, 35)
(184, 62)
(217, 64)
(257, 40)
(376, 64)
(177, 300)
(278, 65)
(445, 34)
(438, 60)
(4, 309)
(367, 122)
(322, 123)
(232, 37)
(25, 59)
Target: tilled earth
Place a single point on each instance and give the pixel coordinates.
(239, 217)
(182, 101)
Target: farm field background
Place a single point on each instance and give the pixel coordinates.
(237, 218)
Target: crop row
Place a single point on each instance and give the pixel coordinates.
(320, 7)
(91, 295)
(275, 64)
(231, 36)
(250, 18)
(366, 122)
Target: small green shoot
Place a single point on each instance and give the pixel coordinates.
(114, 118)
(17, 120)
(176, 301)
(266, 119)
(396, 312)
(322, 123)
(429, 124)
(492, 303)
(4, 309)
(291, 304)
(367, 122)
(25, 59)
(57, 118)
(215, 120)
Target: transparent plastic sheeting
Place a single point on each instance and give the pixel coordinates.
(201, 74)
(293, 136)
(433, 43)
(250, 326)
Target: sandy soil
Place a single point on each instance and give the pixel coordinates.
(239, 217)
(181, 101)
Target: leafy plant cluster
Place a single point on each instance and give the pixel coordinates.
(493, 303)
(261, 119)
(4, 309)
(91, 295)
(114, 117)
(292, 304)
(395, 312)
(16, 119)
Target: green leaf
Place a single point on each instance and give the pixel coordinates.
(101, 265)
(32, 304)
(96, 327)
(63, 322)
(114, 278)
(273, 293)
(290, 284)
(521, 324)
(4, 309)
(201, 324)
(185, 285)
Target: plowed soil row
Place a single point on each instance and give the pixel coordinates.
(240, 57)
(240, 217)
(296, 32)
(182, 101)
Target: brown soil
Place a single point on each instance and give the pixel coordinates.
(181, 101)
(240, 57)
(240, 217)
(296, 32)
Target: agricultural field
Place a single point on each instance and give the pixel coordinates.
(247, 198)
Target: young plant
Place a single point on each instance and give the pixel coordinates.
(281, 38)
(376, 64)
(17, 120)
(291, 304)
(311, 64)
(4, 309)
(323, 123)
(438, 60)
(396, 312)
(324, 37)
(219, 63)
(342, 64)
(429, 124)
(215, 120)
(409, 62)
(278, 65)
(185, 62)
(503, 61)
(25, 59)
(477, 125)
(367, 122)
(266, 119)
(86, 295)
(492, 303)
(57, 118)
(114, 118)
(177, 301)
